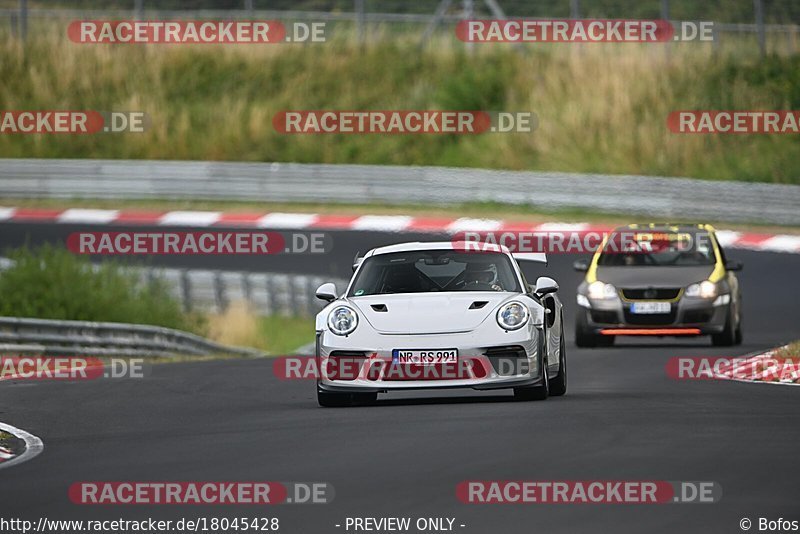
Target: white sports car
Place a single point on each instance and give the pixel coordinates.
(440, 315)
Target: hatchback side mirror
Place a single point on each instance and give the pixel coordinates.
(581, 265)
(733, 265)
(545, 285)
(327, 292)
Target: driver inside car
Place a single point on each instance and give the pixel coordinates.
(477, 276)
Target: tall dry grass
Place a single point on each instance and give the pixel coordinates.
(601, 108)
(239, 325)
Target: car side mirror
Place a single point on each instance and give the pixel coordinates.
(545, 285)
(581, 265)
(327, 292)
(733, 265)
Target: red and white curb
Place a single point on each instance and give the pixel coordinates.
(770, 370)
(379, 223)
(33, 447)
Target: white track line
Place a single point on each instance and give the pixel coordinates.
(33, 445)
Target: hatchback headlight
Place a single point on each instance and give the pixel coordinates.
(342, 320)
(704, 290)
(602, 291)
(512, 315)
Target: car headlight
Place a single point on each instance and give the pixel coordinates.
(342, 320)
(513, 315)
(602, 291)
(704, 290)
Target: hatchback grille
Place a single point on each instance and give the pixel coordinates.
(652, 293)
(650, 319)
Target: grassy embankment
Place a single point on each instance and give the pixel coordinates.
(601, 108)
(52, 283)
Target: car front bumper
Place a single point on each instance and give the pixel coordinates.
(513, 361)
(687, 316)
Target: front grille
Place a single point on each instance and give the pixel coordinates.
(509, 360)
(650, 319)
(345, 365)
(605, 316)
(347, 354)
(651, 293)
(697, 316)
(392, 372)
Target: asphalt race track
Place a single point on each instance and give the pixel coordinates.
(622, 419)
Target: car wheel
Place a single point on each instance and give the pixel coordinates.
(558, 386)
(586, 339)
(531, 393)
(738, 335)
(582, 337)
(727, 337)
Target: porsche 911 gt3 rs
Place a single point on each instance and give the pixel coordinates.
(438, 315)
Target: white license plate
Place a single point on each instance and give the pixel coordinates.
(651, 307)
(425, 357)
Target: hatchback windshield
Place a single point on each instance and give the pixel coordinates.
(658, 248)
(423, 271)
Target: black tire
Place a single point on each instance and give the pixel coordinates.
(327, 399)
(727, 337)
(586, 339)
(535, 393)
(558, 385)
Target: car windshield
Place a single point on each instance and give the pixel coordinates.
(423, 271)
(635, 248)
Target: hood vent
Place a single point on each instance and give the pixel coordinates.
(379, 307)
(478, 304)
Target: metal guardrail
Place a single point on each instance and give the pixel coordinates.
(214, 290)
(266, 293)
(53, 337)
(659, 197)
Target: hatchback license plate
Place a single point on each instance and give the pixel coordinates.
(651, 307)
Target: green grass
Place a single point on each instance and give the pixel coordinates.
(789, 352)
(52, 283)
(601, 108)
(48, 282)
(283, 335)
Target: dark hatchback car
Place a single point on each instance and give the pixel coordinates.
(659, 280)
